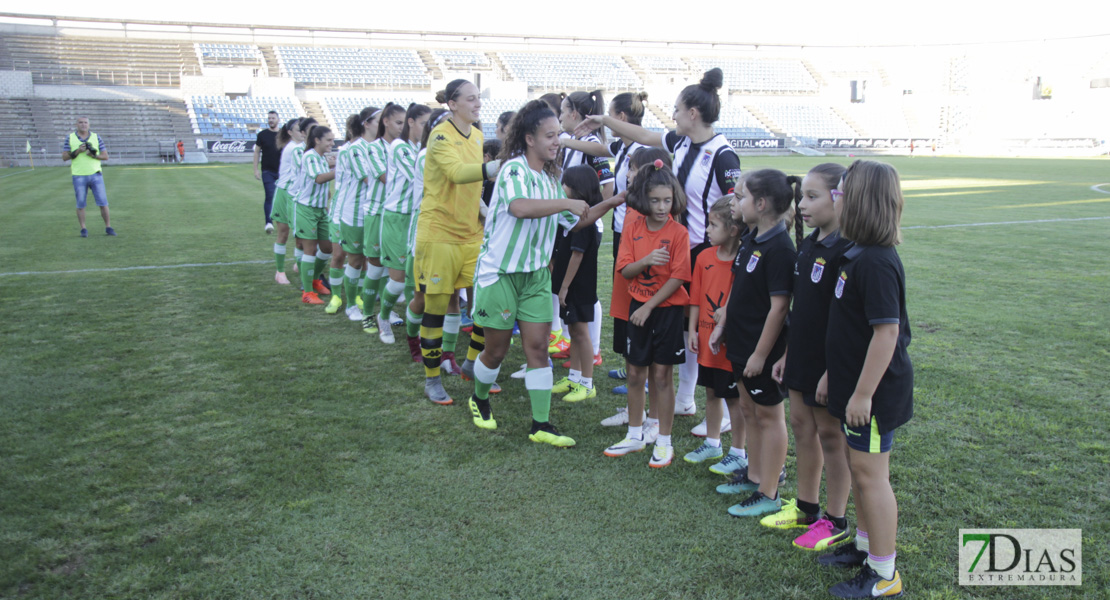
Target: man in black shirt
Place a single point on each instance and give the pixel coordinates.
(266, 146)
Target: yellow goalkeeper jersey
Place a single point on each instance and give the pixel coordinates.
(452, 187)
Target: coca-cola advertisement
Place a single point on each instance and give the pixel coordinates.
(231, 147)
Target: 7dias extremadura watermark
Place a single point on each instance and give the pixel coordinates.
(1021, 557)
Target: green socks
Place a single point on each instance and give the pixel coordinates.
(279, 257)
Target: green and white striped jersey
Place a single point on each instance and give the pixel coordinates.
(354, 163)
(379, 163)
(417, 197)
(291, 156)
(340, 183)
(512, 245)
(402, 163)
(310, 193)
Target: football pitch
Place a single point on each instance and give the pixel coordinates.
(171, 431)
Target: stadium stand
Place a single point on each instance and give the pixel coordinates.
(62, 60)
(762, 75)
(353, 67)
(462, 59)
(338, 108)
(737, 122)
(876, 120)
(806, 121)
(133, 128)
(228, 55)
(571, 71)
(220, 117)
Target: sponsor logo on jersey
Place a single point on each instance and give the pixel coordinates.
(840, 284)
(818, 270)
(753, 261)
(441, 138)
(482, 313)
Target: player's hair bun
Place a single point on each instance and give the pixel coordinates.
(713, 80)
(441, 96)
(642, 97)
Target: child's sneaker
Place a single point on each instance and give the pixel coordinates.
(729, 465)
(661, 456)
(621, 418)
(868, 584)
(519, 374)
(738, 484)
(579, 392)
(651, 432)
(845, 555)
(755, 505)
(560, 345)
(789, 517)
(625, 446)
(821, 536)
(620, 373)
(703, 453)
(702, 428)
(562, 386)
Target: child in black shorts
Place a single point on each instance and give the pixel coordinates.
(574, 280)
(870, 373)
(753, 329)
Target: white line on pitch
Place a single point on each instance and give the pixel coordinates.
(1006, 223)
(1098, 188)
(144, 268)
(18, 173)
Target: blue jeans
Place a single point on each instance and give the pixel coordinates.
(81, 185)
(269, 180)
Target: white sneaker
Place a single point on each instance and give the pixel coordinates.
(685, 407)
(700, 429)
(384, 332)
(354, 313)
(625, 446)
(269, 228)
(621, 418)
(395, 320)
(661, 456)
(520, 374)
(651, 432)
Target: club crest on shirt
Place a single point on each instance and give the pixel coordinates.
(506, 314)
(753, 261)
(435, 278)
(818, 270)
(840, 284)
(706, 157)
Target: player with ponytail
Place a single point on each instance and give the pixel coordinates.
(706, 166)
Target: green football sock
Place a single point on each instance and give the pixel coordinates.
(451, 332)
(392, 291)
(538, 382)
(279, 257)
(412, 323)
(306, 272)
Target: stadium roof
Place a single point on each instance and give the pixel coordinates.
(807, 23)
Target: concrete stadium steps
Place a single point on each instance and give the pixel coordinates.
(314, 110)
(430, 64)
(269, 58)
(663, 116)
(502, 70)
(99, 61)
(129, 126)
(860, 131)
(768, 123)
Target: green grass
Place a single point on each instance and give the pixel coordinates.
(199, 433)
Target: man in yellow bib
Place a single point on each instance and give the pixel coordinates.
(87, 150)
